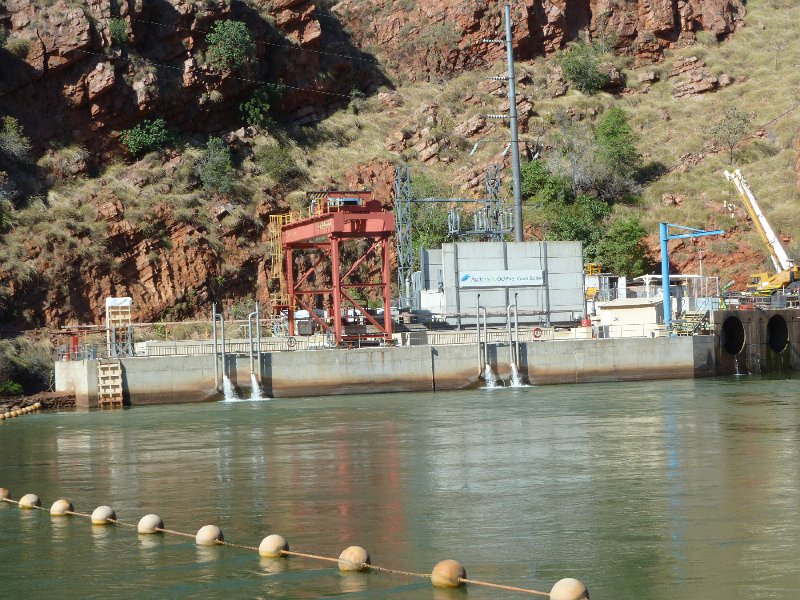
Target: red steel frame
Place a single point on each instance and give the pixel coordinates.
(325, 232)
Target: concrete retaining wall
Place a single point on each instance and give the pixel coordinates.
(78, 377)
(168, 380)
(162, 380)
(145, 380)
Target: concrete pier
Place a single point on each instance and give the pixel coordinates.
(172, 379)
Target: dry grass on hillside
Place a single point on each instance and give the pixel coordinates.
(766, 53)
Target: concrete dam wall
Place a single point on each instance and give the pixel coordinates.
(171, 379)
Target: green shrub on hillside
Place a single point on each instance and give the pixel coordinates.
(6, 213)
(14, 146)
(147, 136)
(580, 218)
(10, 388)
(18, 47)
(118, 29)
(215, 167)
(581, 66)
(539, 185)
(29, 363)
(230, 44)
(256, 109)
(278, 163)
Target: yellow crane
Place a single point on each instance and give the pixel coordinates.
(786, 273)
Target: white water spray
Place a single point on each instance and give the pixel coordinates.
(255, 388)
(228, 389)
(489, 377)
(516, 380)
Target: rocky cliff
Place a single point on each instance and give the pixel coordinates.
(426, 39)
(64, 76)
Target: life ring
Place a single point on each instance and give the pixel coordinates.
(291, 342)
(537, 332)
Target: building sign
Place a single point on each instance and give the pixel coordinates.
(491, 279)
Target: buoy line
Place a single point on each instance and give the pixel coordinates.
(446, 573)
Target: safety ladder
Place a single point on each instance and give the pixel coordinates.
(109, 383)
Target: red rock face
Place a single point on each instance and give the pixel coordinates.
(435, 38)
(74, 84)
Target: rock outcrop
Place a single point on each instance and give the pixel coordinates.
(693, 79)
(64, 76)
(430, 39)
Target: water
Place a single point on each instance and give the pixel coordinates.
(647, 491)
(255, 388)
(489, 377)
(228, 390)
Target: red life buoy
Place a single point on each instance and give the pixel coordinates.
(537, 333)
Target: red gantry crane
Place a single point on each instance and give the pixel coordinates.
(339, 220)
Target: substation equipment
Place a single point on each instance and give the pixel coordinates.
(542, 280)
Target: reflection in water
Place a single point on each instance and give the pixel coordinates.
(645, 490)
(350, 583)
(273, 566)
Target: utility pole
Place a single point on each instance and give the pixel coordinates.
(512, 117)
(512, 100)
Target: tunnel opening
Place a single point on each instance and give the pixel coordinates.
(777, 334)
(732, 336)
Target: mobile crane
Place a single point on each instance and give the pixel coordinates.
(786, 273)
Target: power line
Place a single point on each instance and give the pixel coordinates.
(285, 46)
(260, 81)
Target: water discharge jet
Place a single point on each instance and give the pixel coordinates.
(228, 389)
(255, 388)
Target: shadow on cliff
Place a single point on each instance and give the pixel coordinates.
(318, 79)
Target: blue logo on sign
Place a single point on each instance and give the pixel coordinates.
(465, 277)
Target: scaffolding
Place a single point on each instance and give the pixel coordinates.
(275, 273)
(119, 327)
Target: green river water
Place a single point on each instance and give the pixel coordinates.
(657, 490)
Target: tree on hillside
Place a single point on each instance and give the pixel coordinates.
(230, 44)
(539, 186)
(215, 167)
(615, 144)
(732, 127)
(622, 250)
(579, 219)
(599, 163)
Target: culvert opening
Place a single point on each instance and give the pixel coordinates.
(777, 334)
(732, 338)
